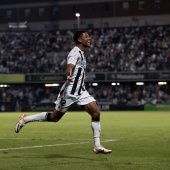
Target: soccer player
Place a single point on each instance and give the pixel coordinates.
(73, 91)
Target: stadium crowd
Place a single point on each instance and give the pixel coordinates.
(129, 49)
(27, 96)
(124, 49)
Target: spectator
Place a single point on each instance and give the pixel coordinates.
(125, 49)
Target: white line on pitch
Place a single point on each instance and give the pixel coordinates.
(63, 144)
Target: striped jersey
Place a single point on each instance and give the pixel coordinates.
(76, 87)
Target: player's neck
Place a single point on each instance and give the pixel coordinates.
(80, 47)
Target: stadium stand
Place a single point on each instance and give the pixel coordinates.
(125, 49)
(131, 49)
(27, 96)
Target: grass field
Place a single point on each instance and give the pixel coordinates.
(139, 140)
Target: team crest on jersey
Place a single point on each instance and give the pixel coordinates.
(71, 59)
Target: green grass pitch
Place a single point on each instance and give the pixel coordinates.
(139, 140)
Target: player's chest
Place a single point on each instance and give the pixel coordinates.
(82, 62)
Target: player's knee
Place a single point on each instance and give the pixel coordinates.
(97, 113)
(96, 116)
(55, 120)
(56, 117)
(52, 118)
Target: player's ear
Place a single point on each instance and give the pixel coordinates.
(79, 40)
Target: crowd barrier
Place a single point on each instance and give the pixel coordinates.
(91, 77)
(10, 107)
(101, 106)
(7, 107)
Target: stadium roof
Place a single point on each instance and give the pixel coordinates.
(5, 2)
(14, 2)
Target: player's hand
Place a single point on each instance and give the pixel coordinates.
(69, 78)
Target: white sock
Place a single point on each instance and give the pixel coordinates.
(96, 132)
(36, 117)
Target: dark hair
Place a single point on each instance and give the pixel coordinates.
(77, 35)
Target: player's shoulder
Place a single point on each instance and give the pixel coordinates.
(74, 51)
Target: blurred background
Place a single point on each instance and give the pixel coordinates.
(128, 63)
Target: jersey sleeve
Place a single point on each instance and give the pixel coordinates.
(72, 57)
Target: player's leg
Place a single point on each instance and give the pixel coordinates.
(55, 116)
(93, 110)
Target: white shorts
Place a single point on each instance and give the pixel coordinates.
(64, 102)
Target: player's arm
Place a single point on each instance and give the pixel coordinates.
(69, 69)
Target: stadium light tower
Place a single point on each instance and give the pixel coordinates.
(78, 20)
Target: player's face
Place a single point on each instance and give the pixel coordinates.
(85, 40)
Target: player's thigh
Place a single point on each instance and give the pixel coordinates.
(92, 109)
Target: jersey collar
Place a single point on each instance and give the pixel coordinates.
(79, 49)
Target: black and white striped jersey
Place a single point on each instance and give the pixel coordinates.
(74, 91)
(76, 57)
